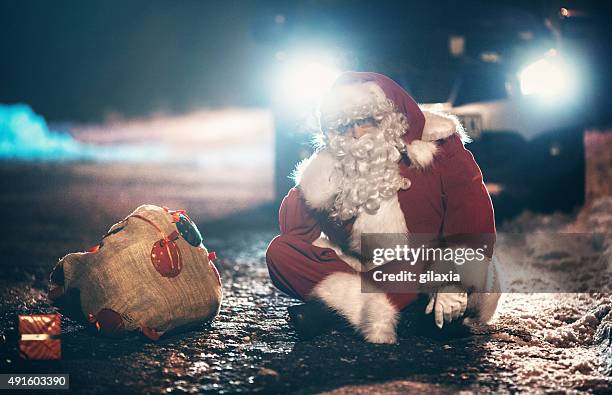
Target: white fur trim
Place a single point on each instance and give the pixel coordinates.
(314, 178)
(421, 153)
(439, 125)
(349, 101)
(359, 93)
(388, 219)
(370, 313)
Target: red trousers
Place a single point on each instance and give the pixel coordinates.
(296, 267)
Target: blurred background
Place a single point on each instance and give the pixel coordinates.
(208, 105)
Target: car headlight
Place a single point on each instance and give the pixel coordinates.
(300, 79)
(549, 76)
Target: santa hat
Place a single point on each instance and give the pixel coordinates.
(359, 95)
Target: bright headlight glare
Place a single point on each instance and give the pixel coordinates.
(546, 77)
(306, 81)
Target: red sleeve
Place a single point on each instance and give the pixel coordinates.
(296, 219)
(468, 216)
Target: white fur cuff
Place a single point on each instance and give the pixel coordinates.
(370, 313)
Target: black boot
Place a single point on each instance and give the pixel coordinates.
(314, 318)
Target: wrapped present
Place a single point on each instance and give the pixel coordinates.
(39, 336)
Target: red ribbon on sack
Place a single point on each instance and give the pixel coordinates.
(165, 254)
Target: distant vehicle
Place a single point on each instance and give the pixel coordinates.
(524, 82)
(526, 120)
(503, 105)
(529, 147)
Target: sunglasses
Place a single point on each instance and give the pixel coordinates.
(360, 122)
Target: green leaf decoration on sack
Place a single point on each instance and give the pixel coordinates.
(189, 231)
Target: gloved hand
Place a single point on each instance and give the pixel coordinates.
(448, 304)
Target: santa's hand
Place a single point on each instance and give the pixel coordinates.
(448, 304)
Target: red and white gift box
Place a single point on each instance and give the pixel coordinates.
(39, 336)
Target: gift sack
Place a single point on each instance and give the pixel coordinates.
(150, 272)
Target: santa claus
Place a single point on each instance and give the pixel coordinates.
(383, 165)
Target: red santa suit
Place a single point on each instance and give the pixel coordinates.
(443, 194)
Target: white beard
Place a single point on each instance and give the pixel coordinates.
(367, 169)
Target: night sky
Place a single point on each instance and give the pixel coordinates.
(85, 60)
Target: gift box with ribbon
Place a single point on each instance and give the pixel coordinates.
(40, 336)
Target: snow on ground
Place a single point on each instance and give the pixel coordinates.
(557, 340)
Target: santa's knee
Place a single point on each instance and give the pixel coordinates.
(276, 253)
(279, 261)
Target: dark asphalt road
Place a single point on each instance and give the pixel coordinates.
(250, 347)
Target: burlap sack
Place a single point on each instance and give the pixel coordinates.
(128, 282)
